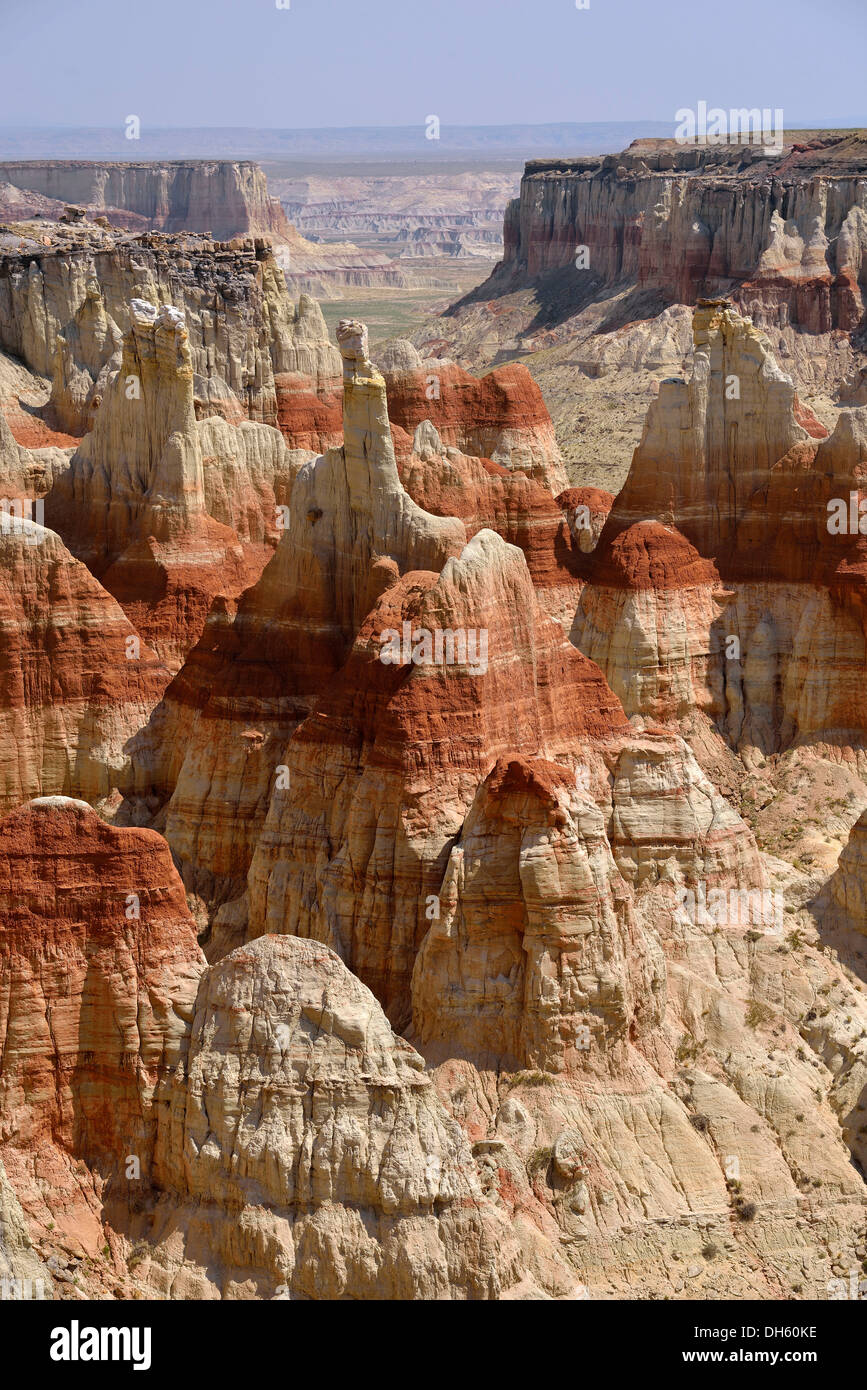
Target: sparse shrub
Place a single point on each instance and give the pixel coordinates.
(687, 1049)
(533, 1078)
(757, 1014)
(700, 1122)
(539, 1160)
(747, 1211)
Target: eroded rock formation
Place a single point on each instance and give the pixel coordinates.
(606, 257)
(123, 1056)
(500, 416)
(254, 353)
(221, 197)
(724, 579)
(77, 680)
(464, 761)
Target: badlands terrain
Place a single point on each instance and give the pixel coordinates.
(398, 241)
(661, 225)
(426, 872)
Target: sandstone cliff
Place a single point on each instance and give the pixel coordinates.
(255, 354)
(786, 234)
(352, 530)
(77, 680)
(501, 416)
(604, 256)
(223, 198)
(400, 798)
(133, 501)
(718, 583)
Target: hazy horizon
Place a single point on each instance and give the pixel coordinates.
(338, 65)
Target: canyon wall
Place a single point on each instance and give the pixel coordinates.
(255, 354)
(220, 197)
(385, 959)
(787, 236)
(606, 257)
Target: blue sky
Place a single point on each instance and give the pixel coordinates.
(393, 62)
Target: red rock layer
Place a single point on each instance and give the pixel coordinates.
(31, 431)
(309, 416)
(501, 415)
(390, 759)
(133, 503)
(76, 681)
(98, 971)
(216, 744)
(484, 495)
(649, 555)
(746, 478)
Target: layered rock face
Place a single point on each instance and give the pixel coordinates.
(394, 780)
(702, 220)
(27, 475)
(255, 354)
(368, 1189)
(723, 581)
(99, 974)
(77, 680)
(223, 198)
(133, 501)
(500, 416)
(122, 1050)
(215, 744)
(606, 257)
(486, 495)
(394, 795)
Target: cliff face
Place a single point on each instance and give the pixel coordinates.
(223, 198)
(787, 236)
(77, 681)
(368, 1189)
(605, 259)
(719, 582)
(392, 794)
(261, 664)
(133, 502)
(501, 416)
(255, 354)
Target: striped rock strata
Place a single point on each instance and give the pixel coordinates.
(126, 1063)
